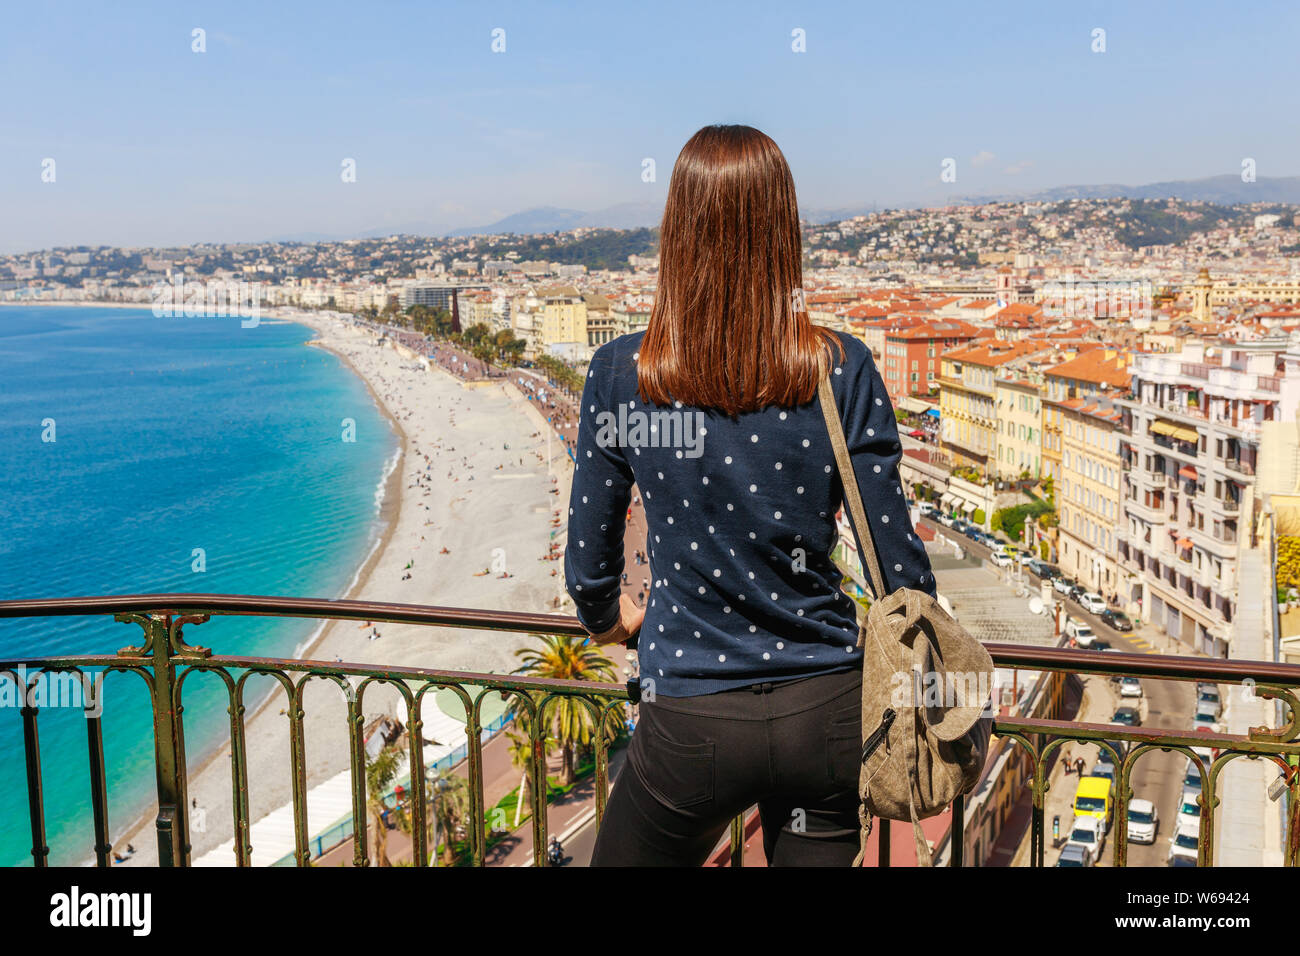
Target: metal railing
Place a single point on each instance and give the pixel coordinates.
(344, 829)
(164, 660)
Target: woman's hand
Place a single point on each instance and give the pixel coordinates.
(629, 622)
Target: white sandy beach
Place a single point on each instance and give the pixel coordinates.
(472, 478)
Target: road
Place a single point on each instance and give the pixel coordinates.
(1157, 776)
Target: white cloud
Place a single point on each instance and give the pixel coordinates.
(982, 158)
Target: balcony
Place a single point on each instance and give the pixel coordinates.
(1188, 411)
(1248, 428)
(1153, 514)
(1185, 448)
(164, 659)
(1237, 465)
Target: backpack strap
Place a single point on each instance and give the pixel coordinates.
(858, 515)
(852, 496)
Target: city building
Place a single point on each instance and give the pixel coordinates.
(1088, 493)
(602, 324)
(1195, 421)
(1018, 435)
(968, 397)
(911, 363)
(564, 320)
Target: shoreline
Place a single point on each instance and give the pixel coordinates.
(386, 520)
(500, 514)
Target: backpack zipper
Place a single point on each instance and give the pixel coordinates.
(878, 735)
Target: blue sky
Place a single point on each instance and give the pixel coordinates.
(156, 144)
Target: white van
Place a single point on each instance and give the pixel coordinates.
(1082, 633)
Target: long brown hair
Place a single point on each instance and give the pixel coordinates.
(729, 330)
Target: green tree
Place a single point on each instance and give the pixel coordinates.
(565, 658)
(449, 803)
(381, 771)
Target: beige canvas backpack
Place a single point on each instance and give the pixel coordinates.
(925, 687)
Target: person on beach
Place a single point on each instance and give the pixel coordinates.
(748, 640)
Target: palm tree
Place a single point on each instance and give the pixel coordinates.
(565, 658)
(381, 770)
(521, 752)
(521, 756)
(449, 802)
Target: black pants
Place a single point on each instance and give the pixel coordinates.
(695, 763)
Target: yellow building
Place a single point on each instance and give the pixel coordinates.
(969, 421)
(1053, 441)
(1089, 485)
(1019, 429)
(564, 317)
(1088, 493)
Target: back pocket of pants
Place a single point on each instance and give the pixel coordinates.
(679, 774)
(844, 747)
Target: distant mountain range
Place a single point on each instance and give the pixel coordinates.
(628, 215)
(1223, 190)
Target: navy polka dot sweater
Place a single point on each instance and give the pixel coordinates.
(741, 517)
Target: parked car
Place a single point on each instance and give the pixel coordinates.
(1128, 716)
(946, 520)
(1208, 701)
(1192, 776)
(1104, 767)
(960, 526)
(1143, 821)
(1116, 620)
(1130, 687)
(1099, 644)
(1121, 748)
(1204, 720)
(1089, 832)
(1188, 809)
(1062, 585)
(1184, 842)
(1043, 570)
(1092, 602)
(1072, 854)
(1082, 633)
(1001, 559)
(926, 508)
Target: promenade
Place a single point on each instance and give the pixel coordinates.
(556, 411)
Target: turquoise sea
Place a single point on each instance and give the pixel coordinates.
(170, 435)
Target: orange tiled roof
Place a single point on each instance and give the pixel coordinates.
(993, 353)
(1098, 366)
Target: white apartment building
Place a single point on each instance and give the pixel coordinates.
(1193, 425)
